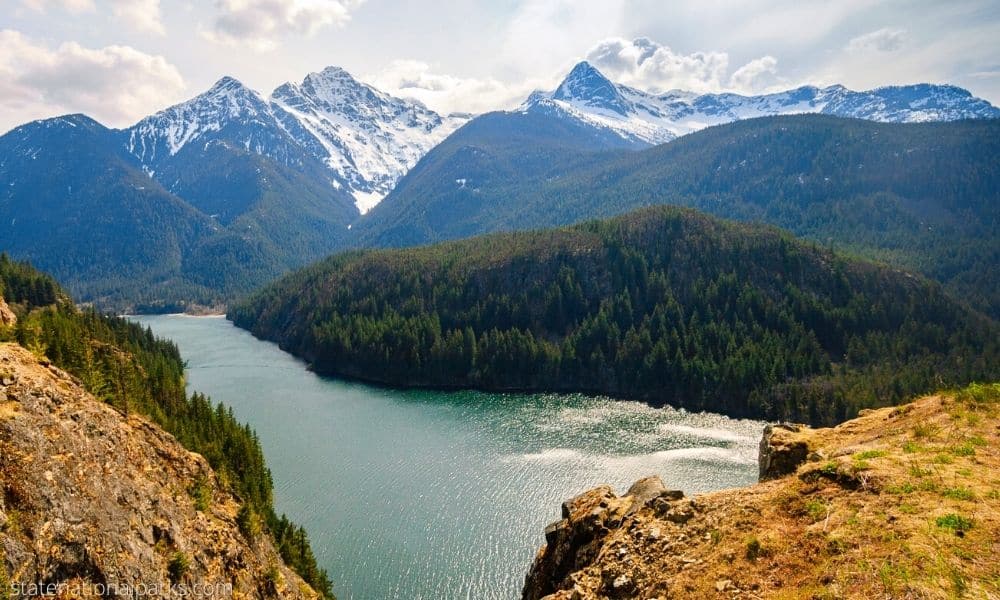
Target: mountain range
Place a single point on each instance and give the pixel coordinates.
(362, 139)
(210, 198)
(642, 119)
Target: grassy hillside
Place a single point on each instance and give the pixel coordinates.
(899, 503)
(665, 305)
(925, 197)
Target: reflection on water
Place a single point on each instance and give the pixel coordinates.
(442, 495)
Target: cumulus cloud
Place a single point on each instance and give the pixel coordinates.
(447, 93)
(651, 66)
(142, 15)
(755, 76)
(881, 40)
(114, 84)
(260, 24)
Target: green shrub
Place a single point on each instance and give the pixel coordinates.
(248, 522)
(830, 469)
(179, 566)
(959, 493)
(5, 589)
(869, 454)
(954, 522)
(980, 393)
(201, 492)
(816, 509)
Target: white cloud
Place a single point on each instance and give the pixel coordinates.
(882, 40)
(260, 24)
(114, 84)
(73, 6)
(650, 66)
(757, 75)
(142, 15)
(541, 34)
(447, 93)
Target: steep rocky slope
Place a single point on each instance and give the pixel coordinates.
(899, 503)
(92, 497)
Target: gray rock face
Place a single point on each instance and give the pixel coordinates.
(575, 540)
(91, 497)
(781, 451)
(7, 316)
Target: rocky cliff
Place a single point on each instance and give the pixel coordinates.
(7, 316)
(899, 503)
(108, 504)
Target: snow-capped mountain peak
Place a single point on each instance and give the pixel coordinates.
(165, 133)
(588, 86)
(366, 138)
(642, 118)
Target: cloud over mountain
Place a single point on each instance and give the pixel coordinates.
(115, 84)
(262, 23)
(649, 65)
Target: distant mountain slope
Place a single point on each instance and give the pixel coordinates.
(923, 196)
(665, 305)
(493, 153)
(210, 198)
(588, 97)
(76, 206)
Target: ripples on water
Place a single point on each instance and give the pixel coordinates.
(437, 496)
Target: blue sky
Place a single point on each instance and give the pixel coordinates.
(118, 60)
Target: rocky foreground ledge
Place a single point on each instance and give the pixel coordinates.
(94, 503)
(899, 503)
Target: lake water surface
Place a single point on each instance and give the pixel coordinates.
(422, 495)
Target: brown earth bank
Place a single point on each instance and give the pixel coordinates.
(92, 501)
(900, 502)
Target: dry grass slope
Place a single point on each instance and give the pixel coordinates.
(901, 502)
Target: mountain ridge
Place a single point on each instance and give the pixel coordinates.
(918, 195)
(365, 139)
(587, 95)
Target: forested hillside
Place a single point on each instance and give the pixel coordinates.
(925, 197)
(666, 305)
(75, 204)
(125, 365)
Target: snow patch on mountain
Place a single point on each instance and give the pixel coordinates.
(369, 138)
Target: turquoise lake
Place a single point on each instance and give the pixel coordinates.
(425, 495)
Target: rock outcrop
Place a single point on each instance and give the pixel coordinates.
(899, 503)
(96, 501)
(7, 316)
(782, 449)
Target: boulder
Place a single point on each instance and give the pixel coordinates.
(783, 448)
(7, 316)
